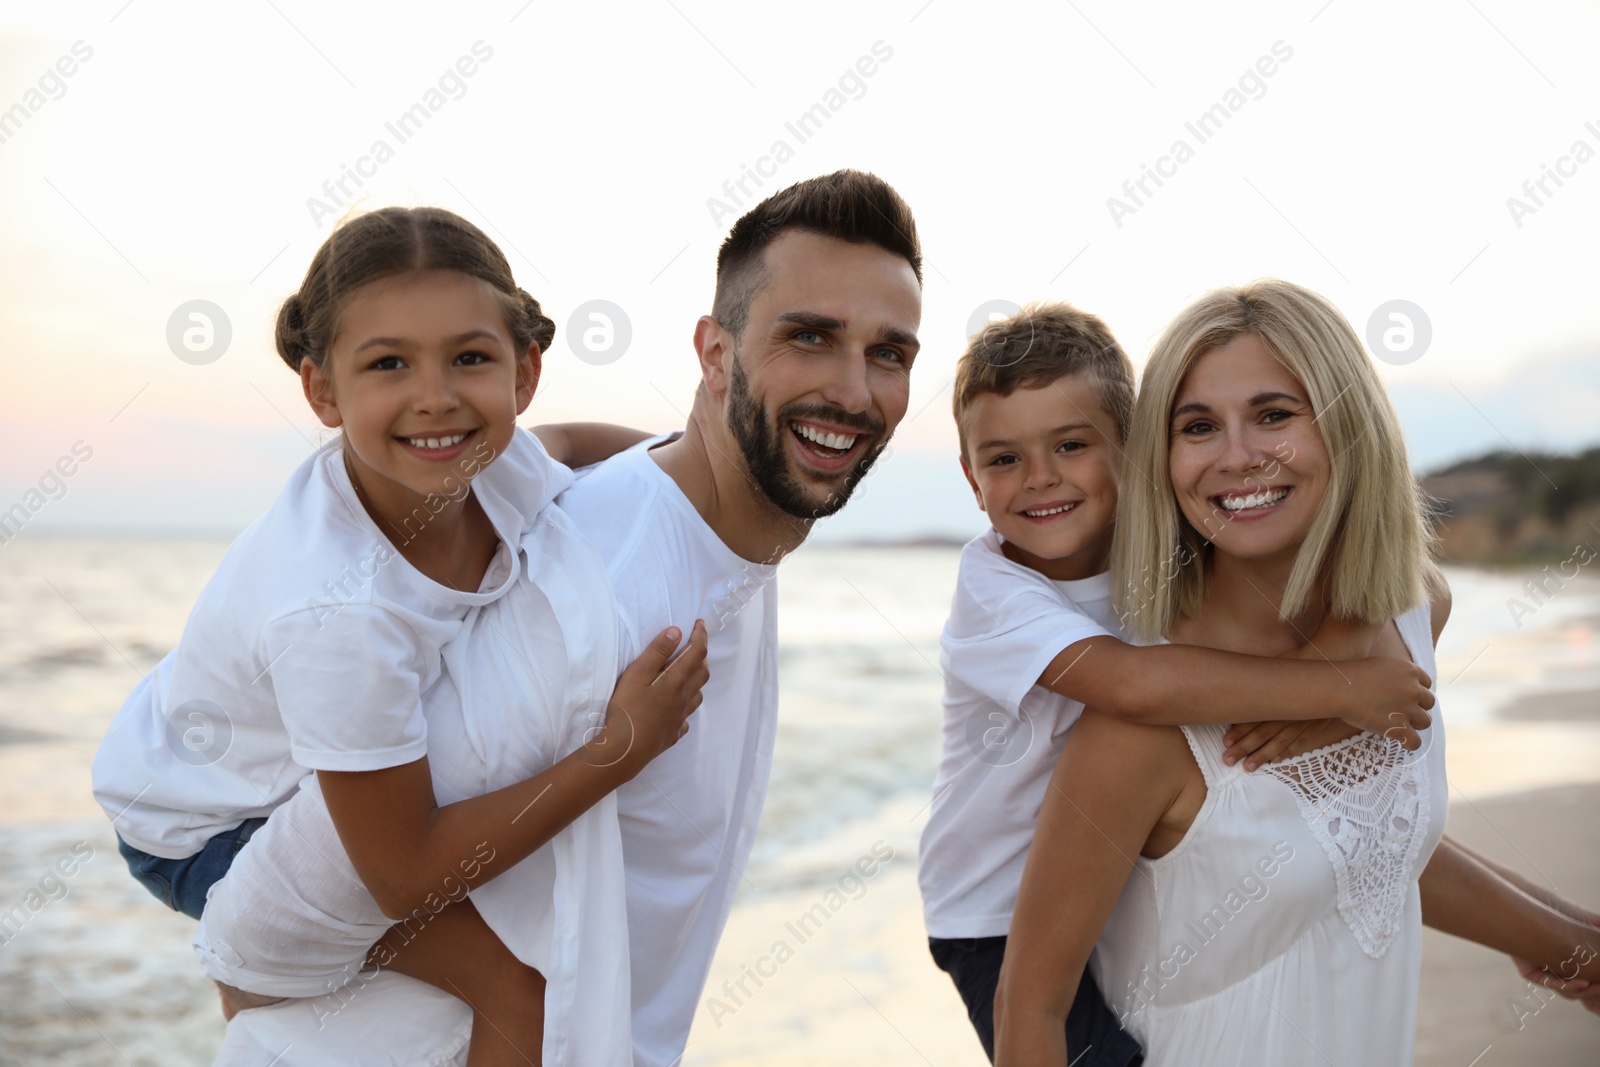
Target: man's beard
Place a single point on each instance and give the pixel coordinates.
(766, 457)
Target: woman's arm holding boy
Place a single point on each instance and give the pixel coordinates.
(1112, 788)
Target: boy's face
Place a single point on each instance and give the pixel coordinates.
(1044, 464)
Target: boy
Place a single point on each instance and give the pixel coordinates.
(1042, 404)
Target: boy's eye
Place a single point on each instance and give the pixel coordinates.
(1004, 459)
(1070, 446)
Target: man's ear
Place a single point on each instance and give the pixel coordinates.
(318, 387)
(529, 366)
(713, 345)
(973, 482)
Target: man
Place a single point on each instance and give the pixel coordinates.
(805, 366)
(805, 373)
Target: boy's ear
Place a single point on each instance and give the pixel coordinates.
(318, 387)
(529, 366)
(976, 492)
(713, 345)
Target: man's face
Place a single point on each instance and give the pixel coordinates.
(820, 377)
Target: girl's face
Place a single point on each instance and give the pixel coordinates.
(1247, 461)
(425, 380)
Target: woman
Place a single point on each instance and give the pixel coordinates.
(1274, 473)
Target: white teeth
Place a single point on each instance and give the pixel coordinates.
(1254, 500)
(842, 442)
(1049, 511)
(437, 442)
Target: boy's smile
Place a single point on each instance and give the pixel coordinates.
(1043, 463)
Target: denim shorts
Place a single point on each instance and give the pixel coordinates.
(182, 884)
(1094, 1037)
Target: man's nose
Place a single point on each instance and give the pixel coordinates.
(847, 384)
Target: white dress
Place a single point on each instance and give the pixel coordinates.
(1286, 926)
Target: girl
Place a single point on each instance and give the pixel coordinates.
(1274, 469)
(413, 621)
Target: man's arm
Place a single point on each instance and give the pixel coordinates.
(1179, 684)
(578, 444)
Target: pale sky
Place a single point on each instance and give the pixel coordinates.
(178, 160)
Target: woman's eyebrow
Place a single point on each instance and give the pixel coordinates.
(1193, 405)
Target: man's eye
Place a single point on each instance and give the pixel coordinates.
(808, 337)
(893, 355)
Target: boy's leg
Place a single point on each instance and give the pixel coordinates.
(457, 952)
(973, 964)
(1094, 1036)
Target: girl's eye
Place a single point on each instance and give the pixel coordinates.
(387, 363)
(1071, 446)
(473, 359)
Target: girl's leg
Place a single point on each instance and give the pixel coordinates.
(457, 952)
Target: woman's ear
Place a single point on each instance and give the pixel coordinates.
(318, 386)
(714, 347)
(529, 366)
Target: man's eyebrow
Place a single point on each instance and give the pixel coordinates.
(396, 342)
(812, 319)
(895, 335)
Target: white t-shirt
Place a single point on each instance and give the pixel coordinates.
(309, 649)
(525, 679)
(689, 819)
(1002, 732)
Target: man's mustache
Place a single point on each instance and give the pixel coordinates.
(834, 416)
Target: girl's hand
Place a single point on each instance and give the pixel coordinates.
(1266, 742)
(651, 705)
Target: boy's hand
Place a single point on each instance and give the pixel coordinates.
(1389, 697)
(651, 705)
(1262, 742)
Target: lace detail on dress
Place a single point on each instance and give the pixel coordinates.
(1366, 800)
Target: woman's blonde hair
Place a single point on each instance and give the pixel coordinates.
(1369, 540)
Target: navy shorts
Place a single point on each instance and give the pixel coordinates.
(1094, 1037)
(182, 884)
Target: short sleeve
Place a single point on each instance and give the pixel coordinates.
(348, 682)
(1006, 625)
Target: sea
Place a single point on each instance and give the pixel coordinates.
(93, 971)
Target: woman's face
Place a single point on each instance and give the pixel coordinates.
(1248, 464)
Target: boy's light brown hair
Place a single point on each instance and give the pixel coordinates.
(1040, 344)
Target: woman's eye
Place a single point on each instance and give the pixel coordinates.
(1275, 415)
(1197, 427)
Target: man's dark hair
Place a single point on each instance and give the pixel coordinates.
(850, 205)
